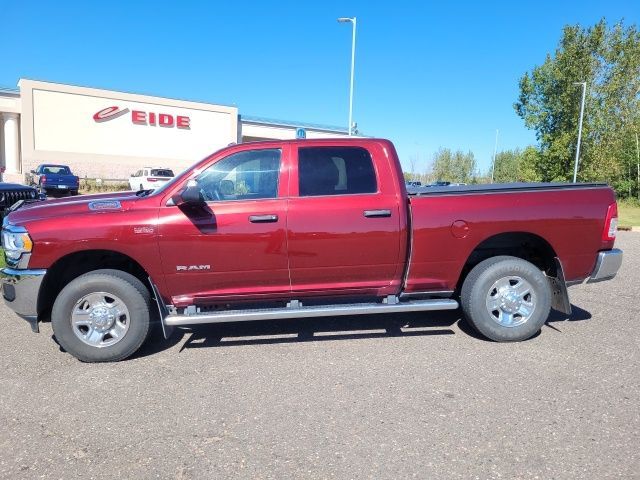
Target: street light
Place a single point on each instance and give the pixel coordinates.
(353, 60)
(584, 91)
(495, 151)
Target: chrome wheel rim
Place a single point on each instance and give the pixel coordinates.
(511, 301)
(100, 319)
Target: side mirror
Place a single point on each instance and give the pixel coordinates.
(192, 195)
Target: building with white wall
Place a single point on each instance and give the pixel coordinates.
(108, 134)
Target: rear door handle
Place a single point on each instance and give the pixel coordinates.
(377, 213)
(263, 218)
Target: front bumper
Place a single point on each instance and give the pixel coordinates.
(607, 265)
(20, 291)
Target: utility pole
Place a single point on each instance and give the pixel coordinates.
(584, 92)
(495, 151)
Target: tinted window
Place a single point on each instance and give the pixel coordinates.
(247, 175)
(335, 171)
(161, 173)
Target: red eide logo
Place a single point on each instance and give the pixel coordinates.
(109, 113)
(138, 117)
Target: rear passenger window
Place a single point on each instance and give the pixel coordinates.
(335, 171)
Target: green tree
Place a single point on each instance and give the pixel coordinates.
(608, 59)
(516, 166)
(506, 167)
(458, 167)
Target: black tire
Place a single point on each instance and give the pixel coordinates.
(124, 286)
(479, 290)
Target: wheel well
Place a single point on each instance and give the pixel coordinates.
(527, 246)
(75, 264)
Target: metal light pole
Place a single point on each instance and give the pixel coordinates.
(353, 61)
(495, 151)
(584, 92)
(638, 165)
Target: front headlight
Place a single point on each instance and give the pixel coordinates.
(16, 241)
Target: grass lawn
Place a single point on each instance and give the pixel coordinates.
(2, 264)
(628, 215)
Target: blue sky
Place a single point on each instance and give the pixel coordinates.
(428, 74)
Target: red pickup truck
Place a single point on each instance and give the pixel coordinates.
(305, 228)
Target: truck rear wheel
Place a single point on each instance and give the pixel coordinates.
(506, 299)
(102, 316)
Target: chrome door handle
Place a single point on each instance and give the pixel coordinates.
(263, 218)
(377, 213)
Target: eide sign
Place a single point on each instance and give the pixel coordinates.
(140, 117)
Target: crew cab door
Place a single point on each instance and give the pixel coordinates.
(344, 222)
(234, 246)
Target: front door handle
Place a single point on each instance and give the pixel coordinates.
(263, 218)
(377, 213)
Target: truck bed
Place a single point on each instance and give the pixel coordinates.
(449, 223)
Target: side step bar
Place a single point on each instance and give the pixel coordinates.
(296, 310)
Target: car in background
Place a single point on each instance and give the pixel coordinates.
(150, 178)
(54, 180)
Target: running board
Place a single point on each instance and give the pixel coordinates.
(296, 310)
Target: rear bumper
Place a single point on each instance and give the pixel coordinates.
(20, 290)
(607, 265)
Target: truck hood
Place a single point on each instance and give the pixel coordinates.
(72, 206)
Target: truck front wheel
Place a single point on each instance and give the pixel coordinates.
(506, 299)
(102, 316)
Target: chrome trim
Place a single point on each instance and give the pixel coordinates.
(104, 205)
(607, 265)
(426, 294)
(26, 286)
(309, 312)
(21, 264)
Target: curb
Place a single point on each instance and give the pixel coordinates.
(629, 229)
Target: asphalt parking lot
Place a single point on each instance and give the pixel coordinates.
(383, 398)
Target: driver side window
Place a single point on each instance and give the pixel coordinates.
(249, 175)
